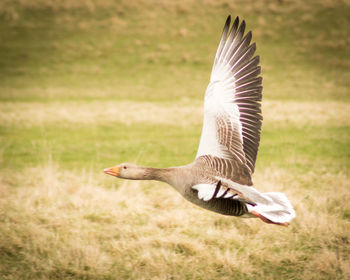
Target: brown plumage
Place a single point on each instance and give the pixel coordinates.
(219, 179)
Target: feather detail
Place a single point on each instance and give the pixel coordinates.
(279, 211)
(232, 108)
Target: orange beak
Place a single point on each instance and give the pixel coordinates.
(112, 170)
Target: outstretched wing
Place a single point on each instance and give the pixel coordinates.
(232, 108)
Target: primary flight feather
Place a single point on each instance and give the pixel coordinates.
(219, 179)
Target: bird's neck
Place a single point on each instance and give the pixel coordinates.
(158, 174)
(171, 176)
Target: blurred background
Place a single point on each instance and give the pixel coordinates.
(86, 85)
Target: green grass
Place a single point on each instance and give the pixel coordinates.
(79, 146)
(96, 146)
(64, 66)
(104, 51)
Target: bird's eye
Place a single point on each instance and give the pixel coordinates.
(124, 167)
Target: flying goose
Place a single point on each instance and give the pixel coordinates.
(219, 179)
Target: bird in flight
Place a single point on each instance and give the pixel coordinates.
(220, 177)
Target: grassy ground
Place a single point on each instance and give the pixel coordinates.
(86, 85)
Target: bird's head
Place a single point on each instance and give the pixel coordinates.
(126, 171)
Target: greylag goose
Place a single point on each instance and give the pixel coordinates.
(219, 179)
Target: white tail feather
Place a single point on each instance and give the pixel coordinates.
(280, 211)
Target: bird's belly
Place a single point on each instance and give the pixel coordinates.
(224, 206)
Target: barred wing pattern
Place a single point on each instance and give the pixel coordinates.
(232, 108)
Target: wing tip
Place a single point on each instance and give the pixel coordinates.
(227, 23)
(242, 27)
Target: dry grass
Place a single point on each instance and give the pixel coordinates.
(64, 66)
(127, 112)
(187, 113)
(60, 224)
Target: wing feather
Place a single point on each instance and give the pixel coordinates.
(232, 105)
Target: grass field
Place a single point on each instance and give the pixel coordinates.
(85, 85)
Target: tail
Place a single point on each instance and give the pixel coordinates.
(277, 211)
